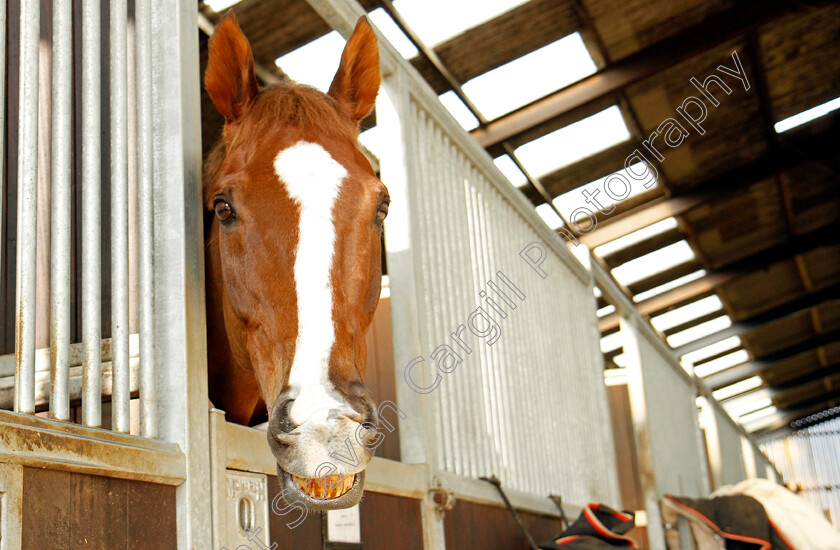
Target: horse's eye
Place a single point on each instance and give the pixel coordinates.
(224, 211)
(382, 213)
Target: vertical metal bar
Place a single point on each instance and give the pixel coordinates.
(145, 218)
(180, 337)
(27, 202)
(119, 215)
(91, 216)
(2, 112)
(62, 128)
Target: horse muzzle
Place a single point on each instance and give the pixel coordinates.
(321, 461)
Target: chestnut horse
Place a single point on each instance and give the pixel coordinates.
(293, 265)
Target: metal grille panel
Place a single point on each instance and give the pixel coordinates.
(808, 459)
(732, 461)
(673, 426)
(531, 407)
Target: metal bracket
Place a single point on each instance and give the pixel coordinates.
(443, 498)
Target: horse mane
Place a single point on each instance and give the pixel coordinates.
(286, 103)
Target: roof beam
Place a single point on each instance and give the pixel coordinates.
(738, 328)
(647, 214)
(478, 50)
(713, 31)
(800, 365)
(712, 280)
(783, 418)
(651, 244)
(673, 298)
(591, 168)
(740, 372)
(694, 322)
(795, 149)
(666, 276)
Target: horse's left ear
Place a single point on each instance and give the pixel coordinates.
(357, 80)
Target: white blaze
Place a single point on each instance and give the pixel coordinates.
(313, 179)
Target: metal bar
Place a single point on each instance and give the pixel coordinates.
(145, 219)
(534, 182)
(60, 203)
(558, 501)
(27, 202)
(433, 58)
(2, 113)
(179, 261)
(91, 216)
(119, 214)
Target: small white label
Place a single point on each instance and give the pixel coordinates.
(344, 525)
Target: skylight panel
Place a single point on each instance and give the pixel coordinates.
(219, 6)
(459, 110)
(392, 32)
(676, 283)
(737, 388)
(568, 202)
(636, 236)
(604, 311)
(722, 363)
(511, 171)
(699, 331)
(653, 262)
(531, 76)
(549, 216)
(616, 377)
(315, 63)
(573, 142)
(760, 414)
(807, 116)
(748, 407)
(612, 341)
(687, 312)
(712, 349)
(436, 21)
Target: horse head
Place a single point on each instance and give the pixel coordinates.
(293, 261)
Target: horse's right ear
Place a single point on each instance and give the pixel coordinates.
(229, 78)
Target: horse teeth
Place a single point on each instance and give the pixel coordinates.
(329, 488)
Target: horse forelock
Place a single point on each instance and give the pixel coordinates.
(283, 104)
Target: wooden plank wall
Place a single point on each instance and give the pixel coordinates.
(387, 522)
(380, 376)
(472, 525)
(64, 510)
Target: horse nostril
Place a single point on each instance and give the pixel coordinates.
(280, 421)
(371, 417)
